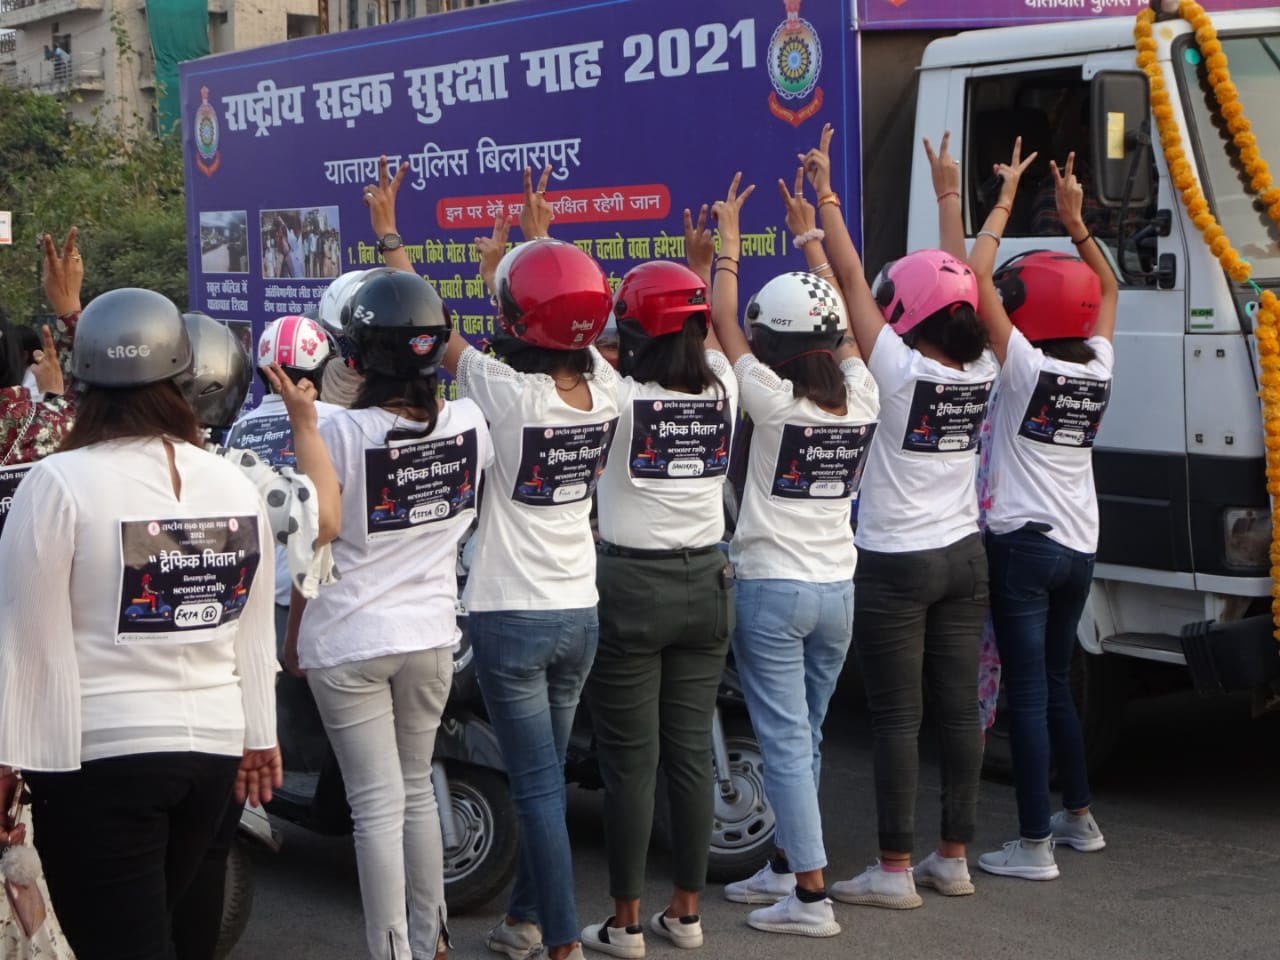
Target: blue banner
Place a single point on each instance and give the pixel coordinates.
(641, 107)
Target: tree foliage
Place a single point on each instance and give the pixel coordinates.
(121, 185)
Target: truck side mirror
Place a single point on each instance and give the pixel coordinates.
(1120, 112)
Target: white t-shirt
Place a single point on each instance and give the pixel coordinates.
(919, 492)
(804, 468)
(663, 485)
(132, 621)
(405, 506)
(266, 432)
(1041, 468)
(534, 549)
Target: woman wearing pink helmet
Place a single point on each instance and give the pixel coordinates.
(921, 582)
(1050, 317)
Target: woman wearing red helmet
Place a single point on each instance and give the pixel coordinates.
(812, 403)
(553, 403)
(653, 687)
(921, 584)
(1050, 317)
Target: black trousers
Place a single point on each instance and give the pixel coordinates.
(122, 840)
(917, 624)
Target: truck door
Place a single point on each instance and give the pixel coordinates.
(1140, 457)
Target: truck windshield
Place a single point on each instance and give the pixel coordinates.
(1255, 70)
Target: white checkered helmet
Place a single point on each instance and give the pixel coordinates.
(794, 304)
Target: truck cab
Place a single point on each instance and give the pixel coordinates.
(1183, 569)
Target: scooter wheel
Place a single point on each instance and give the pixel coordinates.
(237, 900)
(483, 862)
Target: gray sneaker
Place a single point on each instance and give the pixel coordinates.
(1026, 859)
(519, 941)
(948, 875)
(1082, 833)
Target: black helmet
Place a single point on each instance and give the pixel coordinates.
(397, 324)
(220, 374)
(129, 338)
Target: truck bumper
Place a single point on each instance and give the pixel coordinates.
(1235, 655)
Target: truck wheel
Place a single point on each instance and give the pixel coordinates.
(237, 899)
(1100, 687)
(483, 862)
(742, 833)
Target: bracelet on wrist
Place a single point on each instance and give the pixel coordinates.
(829, 197)
(720, 270)
(725, 256)
(990, 233)
(949, 194)
(1007, 208)
(817, 233)
(1083, 240)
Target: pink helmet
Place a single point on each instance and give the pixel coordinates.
(296, 343)
(920, 284)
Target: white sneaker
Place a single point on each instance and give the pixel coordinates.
(765, 887)
(686, 932)
(1082, 833)
(624, 942)
(519, 941)
(877, 887)
(948, 875)
(1026, 859)
(792, 915)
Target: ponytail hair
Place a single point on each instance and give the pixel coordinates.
(816, 376)
(672, 360)
(417, 393)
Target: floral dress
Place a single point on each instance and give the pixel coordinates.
(989, 658)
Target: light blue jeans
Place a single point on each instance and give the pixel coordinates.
(790, 645)
(532, 665)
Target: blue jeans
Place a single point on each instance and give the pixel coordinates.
(1038, 591)
(790, 644)
(532, 665)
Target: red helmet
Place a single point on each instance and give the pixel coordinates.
(1049, 296)
(551, 294)
(659, 296)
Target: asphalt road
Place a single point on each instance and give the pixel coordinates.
(1190, 806)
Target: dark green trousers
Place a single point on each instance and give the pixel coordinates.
(664, 634)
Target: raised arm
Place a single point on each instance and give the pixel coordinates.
(700, 254)
(724, 295)
(380, 198)
(983, 256)
(1070, 197)
(491, 250)
(865, 319)
(312, 455)
(946, 187)
(62, 275)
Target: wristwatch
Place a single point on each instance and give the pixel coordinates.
(390, 241)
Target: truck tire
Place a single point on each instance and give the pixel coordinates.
(1100, 686)
(742, 833)
(237, 899)
(481, 865)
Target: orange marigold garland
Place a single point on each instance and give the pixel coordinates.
(1267, 320)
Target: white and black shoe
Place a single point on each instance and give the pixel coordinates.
(625, 942)
(684, 932)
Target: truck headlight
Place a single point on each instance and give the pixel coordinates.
(1246, 536)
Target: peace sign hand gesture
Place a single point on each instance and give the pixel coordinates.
(492, 248)
(1012, 172)
(62, 275)
(801, 216)
(380, 198)
(1069, 195)
(47, 368)
(726, 213)
(536, 214)
(699, 244)
(944, 168)
(817, 162)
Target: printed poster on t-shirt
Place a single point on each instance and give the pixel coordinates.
(271, 438)
(561, 465)
(946, 417)
(1065, 411)
(680, 439)
(414, 484)
(821, 462)
(184, 577)
(10, 477)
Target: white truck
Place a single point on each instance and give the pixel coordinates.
(1183, 571)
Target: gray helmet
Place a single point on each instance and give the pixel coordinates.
(130, 338)
(220, 373)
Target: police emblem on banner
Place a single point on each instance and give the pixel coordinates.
(207, 136)
(794, 62)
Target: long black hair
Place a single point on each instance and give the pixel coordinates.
(12, 356)
(527, 358)
(415, 393)
(1068, 349)
(127, 413)
(807, 360)
(955, 331)
(673, 360)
